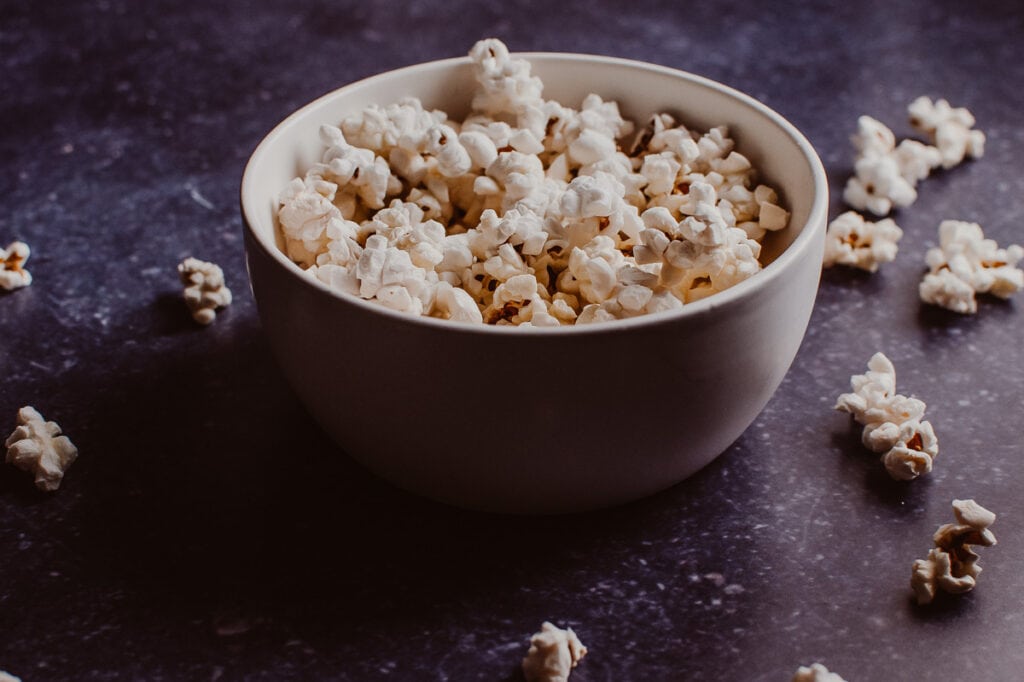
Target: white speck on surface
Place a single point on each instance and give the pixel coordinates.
(199, 198)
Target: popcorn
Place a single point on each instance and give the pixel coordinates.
(816, 673)
(893, 423)
(527, 212)
(878, 186)
(952, 565)
(205, 290)
(885, 175)
(13, 274)
(965, 264)
(36, 446)
(506, 85)
(950, 129)
(853, 241)
(916, 160)
(553, 654)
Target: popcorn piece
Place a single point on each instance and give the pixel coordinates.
(950, 129)
(506, 83)
(205, 290)
(816, 673)
(915, 160)
(873, 138)
(952, 565)
(7, 677)
(451, 303)
(965, 264)
(36, 446)
(13, 274)
(853, 241)
(878, 186)
(553, 654)
(885, 174)
(893, 423)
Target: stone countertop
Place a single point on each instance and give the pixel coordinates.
(209, 531)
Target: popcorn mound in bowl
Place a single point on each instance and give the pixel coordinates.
(528, 212)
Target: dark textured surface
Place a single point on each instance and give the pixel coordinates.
(209, 531)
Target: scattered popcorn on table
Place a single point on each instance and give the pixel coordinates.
(205, 290)
(816, 673)
(964, 264)
(893, 423)
(36, 446)
(553, 654)
(950, 130)
(533, 213)
(853, 241)
(13, 274)
(952, 566)
(885, 175)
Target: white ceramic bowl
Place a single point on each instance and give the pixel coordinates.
(541, 420)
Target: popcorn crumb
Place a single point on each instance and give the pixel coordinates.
(816, 673)
(37, 447)
(950, 130)
(893, 423)
(13, 274)
(952, 566)
(965, 264)
(525, 186)
(859, 243)
(553, 654)
(205, 290)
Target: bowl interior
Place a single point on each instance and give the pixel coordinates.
(785, 159)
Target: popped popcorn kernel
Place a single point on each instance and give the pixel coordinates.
(893, 423)
(553, 654)
(965, 264)
(886, 174)
(527, 212)
(37, 446)
(815, 673)
(952, 566)
(13, 274)
(205, 290)
(852, 240)
(951, 130)
(878, 186)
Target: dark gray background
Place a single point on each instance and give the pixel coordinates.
(210, 531)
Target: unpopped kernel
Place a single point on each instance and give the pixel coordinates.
(13, 274)
(205, 290)
(952, 566)
(893, 423)
(816, 672)
(851, 240)
(553, 654)
(528, 212)
(37, 446)
(964, 264)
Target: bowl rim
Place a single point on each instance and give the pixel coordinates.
(785, 260)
